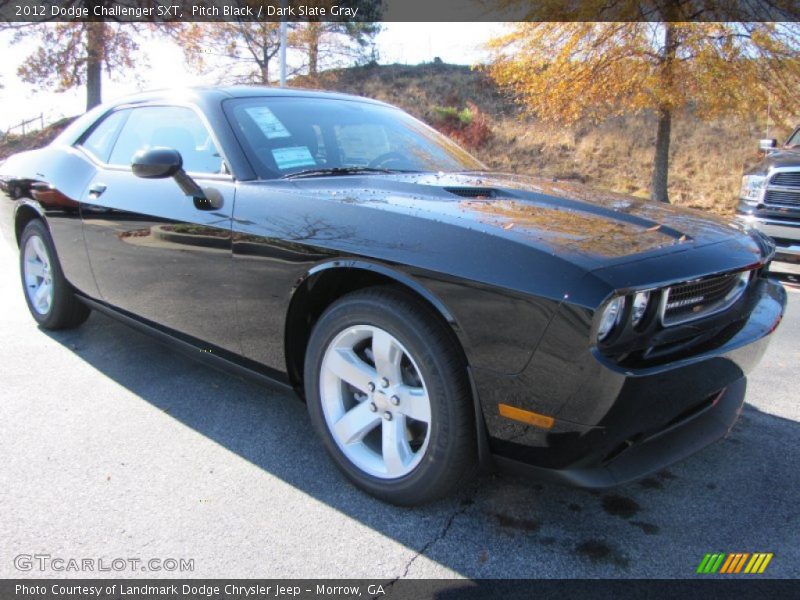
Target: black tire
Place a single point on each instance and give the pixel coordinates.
(451, 452)
(66, 309)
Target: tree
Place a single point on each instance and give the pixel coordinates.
(243, 51)
(325, 43)
(330, 42)
(73, 54)
(569, 71)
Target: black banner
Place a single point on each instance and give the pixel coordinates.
(404, 589)
(398, 10)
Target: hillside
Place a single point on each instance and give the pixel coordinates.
(707, 157)
(18, 143)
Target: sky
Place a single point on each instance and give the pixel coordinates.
(407, 43)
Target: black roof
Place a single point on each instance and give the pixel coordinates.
(200, 96)
(238, 91)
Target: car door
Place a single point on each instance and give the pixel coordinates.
(154, 251)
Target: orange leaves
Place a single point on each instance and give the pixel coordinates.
(567, 72)
(61, 57)
(573, 71)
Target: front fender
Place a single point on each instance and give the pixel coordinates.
(386, 271)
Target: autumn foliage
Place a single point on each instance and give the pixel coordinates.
(570, 72)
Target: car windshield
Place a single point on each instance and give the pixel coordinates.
(286, 136)
(794, 139)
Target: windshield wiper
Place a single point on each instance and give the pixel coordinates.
(337, 171)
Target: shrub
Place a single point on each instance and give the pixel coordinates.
(468, 126)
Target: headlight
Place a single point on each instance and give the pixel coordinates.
(639, 307)
(752, 188)
(610, 317)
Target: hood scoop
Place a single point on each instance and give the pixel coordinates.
(476, 193)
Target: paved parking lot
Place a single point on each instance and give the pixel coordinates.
(113, 446)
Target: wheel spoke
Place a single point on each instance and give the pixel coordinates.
(351, 369)
(356, 423)
(414, 403)
(34, 268)
(41, 296)
(38, 247)
(396, 451)
(387, 355)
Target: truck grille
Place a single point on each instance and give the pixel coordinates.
(786, 178)
(782, 198)
(697, 299)
(783, 189)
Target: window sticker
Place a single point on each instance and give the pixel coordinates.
(267, 122)
(293, 156)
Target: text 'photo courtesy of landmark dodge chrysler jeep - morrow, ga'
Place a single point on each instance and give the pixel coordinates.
(770, 200)
(434, 316)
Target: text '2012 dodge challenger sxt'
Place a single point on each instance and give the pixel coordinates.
(434, 315)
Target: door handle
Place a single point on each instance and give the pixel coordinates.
(97, 190)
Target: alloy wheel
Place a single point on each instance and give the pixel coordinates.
(38, 275)
(375, 402)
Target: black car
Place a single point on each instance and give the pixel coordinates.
(435, 316)
(769, 200)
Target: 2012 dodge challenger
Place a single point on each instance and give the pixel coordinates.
(434, 316)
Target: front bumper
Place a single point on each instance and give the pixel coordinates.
(630, 422)
(786, 234)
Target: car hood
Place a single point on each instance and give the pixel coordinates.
(596, 228)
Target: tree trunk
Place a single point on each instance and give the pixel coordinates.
(313, 56)
(95, 51)
(659, 189)
(314, 33)
(264, 65)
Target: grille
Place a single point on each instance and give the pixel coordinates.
(789, 195)
(787, 178)
(472, 192)
(698, 299)
(782, 198)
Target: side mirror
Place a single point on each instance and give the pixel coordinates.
(157, 163)
(767, 145)
(160, 163)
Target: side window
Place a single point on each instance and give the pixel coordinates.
(101, 139)
(168, 127)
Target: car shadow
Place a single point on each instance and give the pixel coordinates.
(738, 490)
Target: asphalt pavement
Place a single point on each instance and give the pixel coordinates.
(112, 446)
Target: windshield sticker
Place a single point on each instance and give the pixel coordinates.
(293, 156)
(267, 122)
